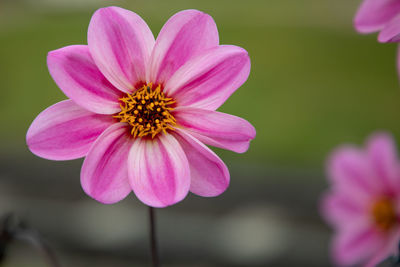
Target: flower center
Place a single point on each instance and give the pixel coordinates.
(147, 111)
(384, 214)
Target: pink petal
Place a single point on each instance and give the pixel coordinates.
(209, 79)
(391, 32)
(159, 171)
(390, 248)
(104, 174)
(340, 210)
(216, 128)
(65, 131)
(384, 163)
(356, 244)
(209, 175)
(374, 14)
(350, 173)
(183, 36)
(120, 43)
(75, 72)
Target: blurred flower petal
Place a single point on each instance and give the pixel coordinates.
(373, 15)
(356, 244)
(384, 162)
(391, 31)
(349, 170)
(339, 209)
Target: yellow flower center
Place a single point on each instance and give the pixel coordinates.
(384, 214)
(147, 111)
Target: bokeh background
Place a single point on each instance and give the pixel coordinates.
(315, 83)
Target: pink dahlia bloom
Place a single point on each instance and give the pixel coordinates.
(141, 110)
(379, 15)
(363, 205)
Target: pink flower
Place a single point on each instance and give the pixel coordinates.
(141, 110)
(379, 15)
(363, 204)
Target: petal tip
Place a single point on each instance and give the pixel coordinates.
(384, 38)
(161, 203)
(361, 27)
(158, 171)
(213, 193)
(338, 156)
(380, 138)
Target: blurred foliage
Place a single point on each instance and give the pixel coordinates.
(314, 84)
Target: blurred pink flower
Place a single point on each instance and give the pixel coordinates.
(141, 110)
(379, 15)
(363, 205)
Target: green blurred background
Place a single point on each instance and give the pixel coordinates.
(315, 83)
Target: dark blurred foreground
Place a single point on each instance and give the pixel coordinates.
(268, 218)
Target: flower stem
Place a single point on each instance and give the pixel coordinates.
(153, 238)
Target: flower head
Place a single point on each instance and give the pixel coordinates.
(141, 110)
(363, 204)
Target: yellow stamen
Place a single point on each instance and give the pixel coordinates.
(144, 119)
(383, 214)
